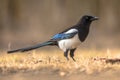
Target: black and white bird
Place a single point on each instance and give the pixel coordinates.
(69, 39)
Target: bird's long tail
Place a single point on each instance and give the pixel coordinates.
(32, 47)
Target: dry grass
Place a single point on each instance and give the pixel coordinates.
(52, 65)
(86, 61)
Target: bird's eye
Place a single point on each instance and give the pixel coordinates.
(87, 17)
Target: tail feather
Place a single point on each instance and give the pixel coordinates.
(32, 47)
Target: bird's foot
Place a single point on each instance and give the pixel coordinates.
(67, 58)
(73, 59)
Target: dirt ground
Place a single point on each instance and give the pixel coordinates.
(89, 65)
(48, 74)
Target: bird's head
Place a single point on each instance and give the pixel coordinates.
(87, 19)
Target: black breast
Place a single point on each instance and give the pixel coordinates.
(83, 33)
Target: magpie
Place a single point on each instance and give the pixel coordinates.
(67, 40)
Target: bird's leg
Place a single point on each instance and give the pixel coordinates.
(66, 54)
(72, 54)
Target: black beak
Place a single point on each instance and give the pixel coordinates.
(94, 18)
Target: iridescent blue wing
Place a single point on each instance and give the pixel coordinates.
(63, 36)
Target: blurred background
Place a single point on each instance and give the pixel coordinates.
(28, 22)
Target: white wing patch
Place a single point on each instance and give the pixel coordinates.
(71, 31)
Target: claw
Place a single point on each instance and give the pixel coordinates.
(73, 59)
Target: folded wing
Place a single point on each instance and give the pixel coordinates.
(63, 36)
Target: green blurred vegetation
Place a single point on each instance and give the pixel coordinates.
(27, 22)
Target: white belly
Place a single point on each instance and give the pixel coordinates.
(69, 43)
